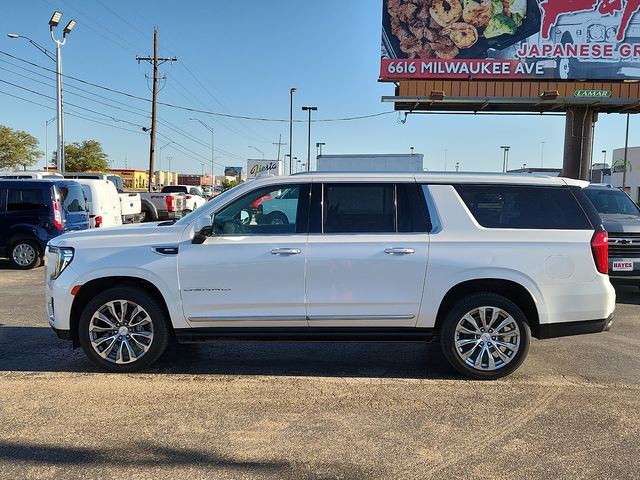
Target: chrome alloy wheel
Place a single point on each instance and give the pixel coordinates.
(121, 331)
(23, 254)
(487, 338)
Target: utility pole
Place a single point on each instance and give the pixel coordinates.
(309, 109)
(155, 61)
(279, 144)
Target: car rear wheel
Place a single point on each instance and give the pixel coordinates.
(25, 254)
(123, 330)
(485, 336)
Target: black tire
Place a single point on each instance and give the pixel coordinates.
(25, 254)
(158, 320)
(277, 218)
(449, 336)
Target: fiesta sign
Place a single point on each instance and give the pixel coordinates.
(271, 167)
(510, 40)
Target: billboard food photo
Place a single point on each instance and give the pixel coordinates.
(511, 39)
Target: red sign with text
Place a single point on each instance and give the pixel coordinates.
(511, 39)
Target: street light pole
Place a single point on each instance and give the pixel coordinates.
(542, 156)
(46, 141)
(291, 92)
(54, 22)
(212, 145)
(309, 109)
(257, 150)
(626, 150)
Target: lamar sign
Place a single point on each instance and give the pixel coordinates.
(510, 39)
(256, 167)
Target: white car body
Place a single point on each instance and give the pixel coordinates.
(103, 202)
(194, 198)
(320, 282)
(130, 202)
(31, 174)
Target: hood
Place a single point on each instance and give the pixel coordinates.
(125, 236)
(615, 223)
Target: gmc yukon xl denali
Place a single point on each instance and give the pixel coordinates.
(480, 263)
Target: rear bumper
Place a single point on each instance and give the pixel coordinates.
(567, 329)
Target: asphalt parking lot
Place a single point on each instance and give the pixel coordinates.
(314, 410)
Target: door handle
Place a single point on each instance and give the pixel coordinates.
(286, 251)
(399, 251)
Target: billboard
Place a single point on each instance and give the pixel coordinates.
(272, 167)
(233, 172)
(510, 39)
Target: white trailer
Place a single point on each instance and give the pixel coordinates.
(371, 163)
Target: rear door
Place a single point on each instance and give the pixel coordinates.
(74, 206)
(367, 257)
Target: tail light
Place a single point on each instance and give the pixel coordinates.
(57, 215)
(98, 219)
(189, 197)
(169, 201)
(600, 249)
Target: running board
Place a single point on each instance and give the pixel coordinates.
(308, 334)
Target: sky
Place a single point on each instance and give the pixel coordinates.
(241, 58)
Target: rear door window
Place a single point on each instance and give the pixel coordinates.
(25, 199)
(524, 207)
(72, 197)
(359, 208)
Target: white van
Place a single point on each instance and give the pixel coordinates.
(30, 175)
(103, 202)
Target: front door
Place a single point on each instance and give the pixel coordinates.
(3, 222)
(367, 265)
(250, 272)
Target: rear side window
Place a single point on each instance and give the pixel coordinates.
(359, 208)
(524, 207)
(72, 197)
(25, 199)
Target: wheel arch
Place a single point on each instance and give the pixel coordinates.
(147, 206)
(93, 287)
(514, 291)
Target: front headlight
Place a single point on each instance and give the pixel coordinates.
(596, 33)
(59, 258)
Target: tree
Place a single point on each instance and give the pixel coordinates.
(17, 149)
(227, 184)
(85, 156)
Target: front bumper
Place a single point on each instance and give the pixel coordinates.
(567, 329)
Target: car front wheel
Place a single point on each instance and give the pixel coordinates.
(485, 336)
(24, 254)
(123, 330)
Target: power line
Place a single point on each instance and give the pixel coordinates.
(144, 113)
(196, 110)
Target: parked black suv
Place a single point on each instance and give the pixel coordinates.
(34, 211)
(621, 219)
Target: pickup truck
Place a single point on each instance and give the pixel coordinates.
(163, 206)
(130, 203)
(193, 195)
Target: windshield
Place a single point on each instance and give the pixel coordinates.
(117, 181)
(73, 199)
(196, 213)
(612, 202)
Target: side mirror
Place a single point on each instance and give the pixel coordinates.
(203, 229)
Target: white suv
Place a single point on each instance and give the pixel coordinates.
(481, 263)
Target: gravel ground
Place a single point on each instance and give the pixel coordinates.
(314, 410)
